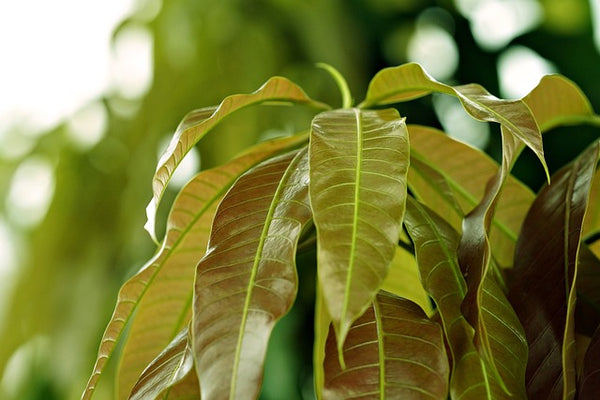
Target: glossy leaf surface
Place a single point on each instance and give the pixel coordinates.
(556, 101)
(436, 245)
(171, 271)
(170, 367)
(199, 122)
(247, 280)
(542, 289)
(358, 165)
(410, 81)
(444, 172)
(393, 351)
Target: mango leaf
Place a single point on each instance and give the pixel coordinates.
(436, 246)
(557, 101)
(171, 271)
(199, 122)
(358, 166)
(247, 279)
(591, 222)
(445, 172)
(587, 311)
(171, 366)
(542, 289)
(589, 386)
(410, 81)
(322, 324)
(393, 351)
(404, 281)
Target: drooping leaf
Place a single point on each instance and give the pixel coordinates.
(439, 162)
(199, 122)
(171, 366)
(589, 386)
(474, 250)
(410, 81)
(436, 245)
(358, 165)
(403, 280)
(545, 272)
(556, 101)
(322, 324)
(247, 280)
(393, 351)
(591, 223)
(171, 271)
(587, 311)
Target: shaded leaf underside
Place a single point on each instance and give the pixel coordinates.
(542, 289)
(247, 280)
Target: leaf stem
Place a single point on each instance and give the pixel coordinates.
(341, 83)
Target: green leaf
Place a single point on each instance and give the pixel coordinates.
(171, 271)
(591, 222)
(322, 323)
(393, 351)
(557, 101)
(404, 281)
(410, 81)
(436, 246)
(247, 280)
(545, 273)
(170, 367)
(199, 122)
(358, 165)
(445, 172)
(589, 387)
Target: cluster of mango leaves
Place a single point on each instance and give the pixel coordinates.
(439, 274)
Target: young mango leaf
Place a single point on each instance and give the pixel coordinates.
(247, 279)
(474, 250)
(322, 324)
(544, 277)
(404, 281)
(393, 351)
(557, 101)
(410, 81)
(587, 311)
(199, 122)
(171, 271)
(589, 386)
(436, 245)
(591, 222)
(439, 162)
(171, 366)
(358, 166)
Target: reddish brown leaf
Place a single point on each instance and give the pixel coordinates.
(589, 387)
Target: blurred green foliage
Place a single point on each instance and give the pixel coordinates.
(71, 265)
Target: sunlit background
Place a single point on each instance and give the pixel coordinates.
(91, 91)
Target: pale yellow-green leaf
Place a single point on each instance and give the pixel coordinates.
(199, 122)
(404, 281)
(171, 271)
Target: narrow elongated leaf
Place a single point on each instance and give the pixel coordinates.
(587, 312)
(199, 122)
(247, 280)
(170, 367)
(440, 163)
(404, 281)
(589, 388)
(474, 251)
(591, 223)
(542, 290)
(393, 351)
(436, 246)
(171, 271)
(556, 101)
(322, 324)
(410, 81)
(358, 166)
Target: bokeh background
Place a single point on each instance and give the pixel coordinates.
(90, 93)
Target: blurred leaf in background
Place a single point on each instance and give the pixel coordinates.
(75, 174)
